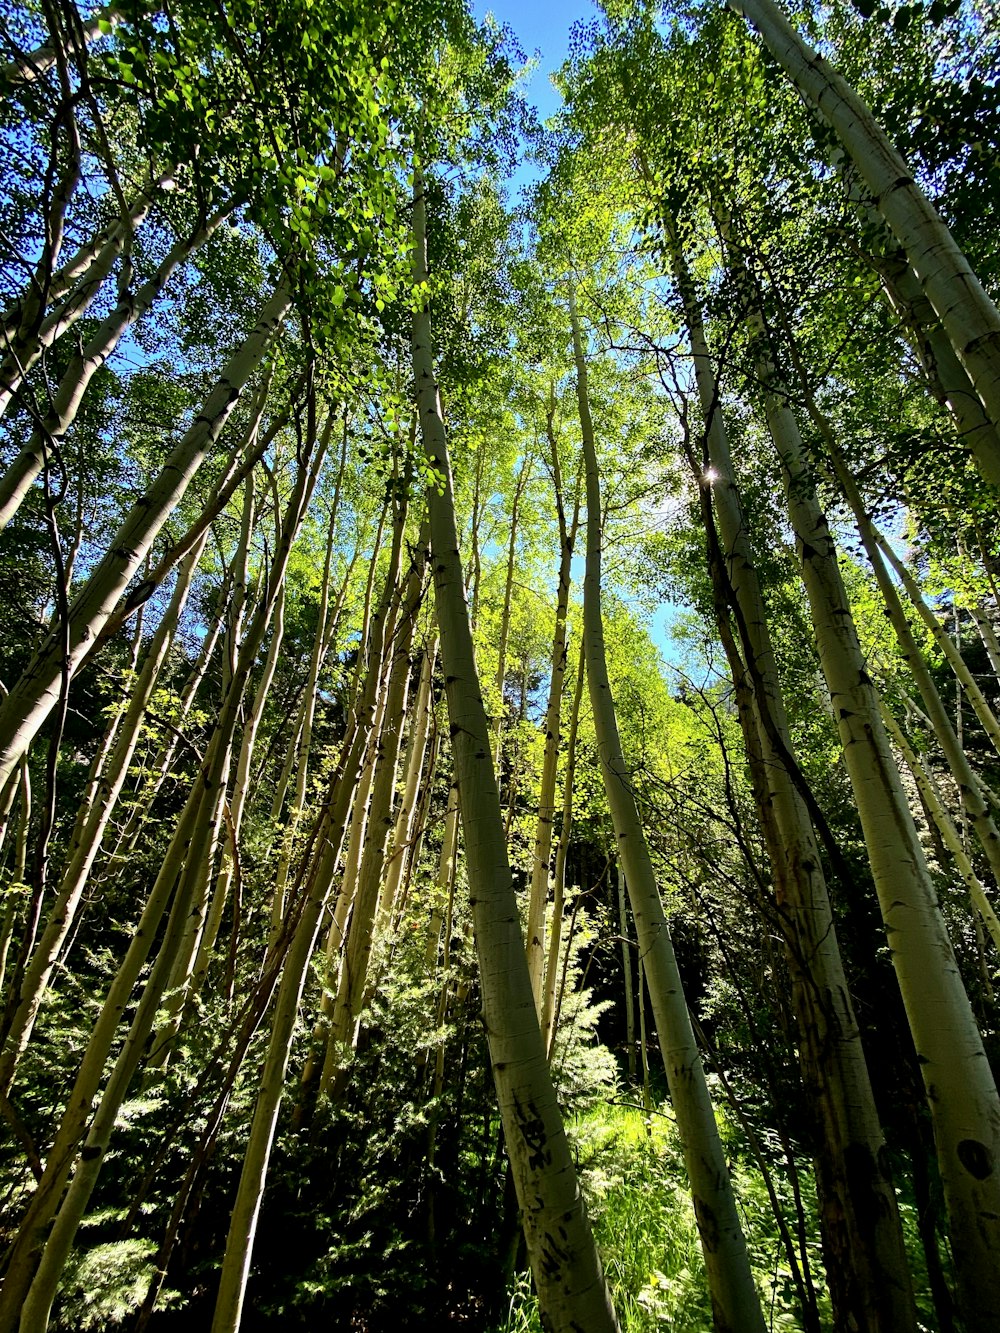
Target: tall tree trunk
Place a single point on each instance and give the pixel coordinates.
(945, 826)
(969, 316)
(320, 875)
(541, 863)
(549, 1005)
(28, 335)
(564, 1261)
(945, 642)
(399, 853)
(735, 1303)
(961, 1092)
(35, 694)
(500, 680)
(46, 439)
(353, 980)
(862, 1238)
(87, 840)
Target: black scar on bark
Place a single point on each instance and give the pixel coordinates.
(976, 1158)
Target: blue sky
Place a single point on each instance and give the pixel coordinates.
(542, 26)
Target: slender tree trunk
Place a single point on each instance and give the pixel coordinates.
(549, 1005)
(46, 439)
(961, 1092)
(520, 486)
(973, 802)
(735, 1303)
(87, 842)
(945, 642)
(400, 851)
(32, 65)
(541, 863)
(195, 955)
(564, 1261)
(626, 948)
(943, 822)
(246, 1208)
(353, 979)
(969, 316)
(35, 694)
(27, 335)
(948, 378)
(863, 1245)
(320, 879)
(23, 788)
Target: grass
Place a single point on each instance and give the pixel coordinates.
(634, 1181)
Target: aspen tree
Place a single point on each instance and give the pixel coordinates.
(561, 1250)
(31, 699)
(60, 185)
(242, 783)
(27, 334)
(22, 321)
(876, 549)
(973, 802)
(375, 654)
(188, 840)
(23, 791)
(961, 1092)
(238, 468)
(626, 947)
(945, 825)
(549, 1014)
(246, 1208)
(319, 880)
(863, 1245)
(161, 766)
(542, 852)
(178, 885)
(948, 377)
(47, 437)
(951, 651)
(988, 637)
(28, 66)
(204, 919)
(520, 486)
(358, 945)
(735, 1303)
(296, 765)
(399, 853)
(86, 843)
(969, 317)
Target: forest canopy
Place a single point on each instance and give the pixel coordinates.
(499, 681)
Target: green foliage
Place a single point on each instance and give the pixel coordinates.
(103, 1286)
(631, 1172)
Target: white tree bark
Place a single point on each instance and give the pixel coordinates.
(46, 439)
(961, 1092)
(564, 1261)
(968, 315)
(735, 1303)
(32, 698)
(863, 1244)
